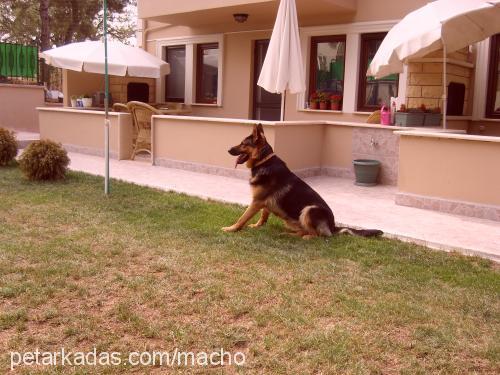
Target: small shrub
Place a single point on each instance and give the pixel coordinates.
(8, 146)
(44, 160)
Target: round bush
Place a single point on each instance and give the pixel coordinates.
(44, 160)
(8, 146)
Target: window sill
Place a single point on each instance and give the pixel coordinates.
(205, 105)
(489, 119)
(319, 110)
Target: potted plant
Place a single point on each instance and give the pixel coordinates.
(313, 101)
(324, 100)
(73, 100)
(87, 101)
(335, 102)
(409, 116)
(366, 172)
(432, 117)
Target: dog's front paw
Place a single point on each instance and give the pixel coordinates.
(256, 225)
(232, 228)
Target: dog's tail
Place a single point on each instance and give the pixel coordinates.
(359, 232)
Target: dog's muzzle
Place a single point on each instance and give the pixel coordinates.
(242, 157)
(234, 151)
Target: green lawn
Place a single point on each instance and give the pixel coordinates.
(145, 269)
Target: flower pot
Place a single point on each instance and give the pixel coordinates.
(366, 171)
(432, 119)
(87, 102)
(323, 105)
(409, 119)
(73, 102)
(335, 106)
(313, 105)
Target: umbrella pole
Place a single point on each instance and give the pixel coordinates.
(283, 98)
(445, 94)
(106, 103)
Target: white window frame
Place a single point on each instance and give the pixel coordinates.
(190, 43)
(353, 33)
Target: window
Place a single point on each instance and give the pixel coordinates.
(373, 93)
(175, 81)
(327, 64)
(207, 67)
(493, 95)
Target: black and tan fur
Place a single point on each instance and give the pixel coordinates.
(277, 190)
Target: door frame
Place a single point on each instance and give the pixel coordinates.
(256, 78)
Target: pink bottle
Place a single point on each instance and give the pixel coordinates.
(385, 116)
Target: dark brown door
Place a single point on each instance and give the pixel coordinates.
(266, 106)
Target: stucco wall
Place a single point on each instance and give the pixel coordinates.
(204, 144)
(463, 168)
(83, 131)
(307, 148)
(18, 105)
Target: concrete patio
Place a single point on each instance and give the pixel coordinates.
(352, 205)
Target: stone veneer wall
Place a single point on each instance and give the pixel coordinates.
(425, 79)
(118, 88)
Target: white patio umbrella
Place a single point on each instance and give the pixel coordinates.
(106, 58)
(283, 68)
(122, 59)
(443, 24)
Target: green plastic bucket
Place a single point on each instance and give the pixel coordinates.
(366, 171)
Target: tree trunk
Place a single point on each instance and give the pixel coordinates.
(75, 20)
(44, 36)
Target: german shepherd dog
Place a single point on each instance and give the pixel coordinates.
(275, 189)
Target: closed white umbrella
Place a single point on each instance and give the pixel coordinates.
(122, 59)
(283, 68)
(447, 24)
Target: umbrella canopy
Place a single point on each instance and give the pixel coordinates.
(449, 24)
(283, 68)
(122, 59)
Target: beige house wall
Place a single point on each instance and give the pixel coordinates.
(424, 80)
(83, 131)
(308, 148)
(458, 168)
(199, 145)
(18, 105)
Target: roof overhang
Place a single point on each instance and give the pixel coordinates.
(262, 13)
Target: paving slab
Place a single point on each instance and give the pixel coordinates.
(363, 207)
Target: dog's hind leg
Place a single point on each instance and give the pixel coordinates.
(314, 220)
(264, 215)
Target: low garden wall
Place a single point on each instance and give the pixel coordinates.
(18, 105)
(309, 148)
(83, 131)
(455, 173)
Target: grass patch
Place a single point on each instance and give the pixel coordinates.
(149, 270)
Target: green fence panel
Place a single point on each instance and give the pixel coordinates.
(18, 61)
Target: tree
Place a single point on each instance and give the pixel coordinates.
(48, 23)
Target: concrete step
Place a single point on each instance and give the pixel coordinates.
(25, 138)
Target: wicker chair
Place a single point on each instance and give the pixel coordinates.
(120, 107)
(141, 116)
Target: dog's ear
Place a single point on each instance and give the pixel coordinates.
(258, 133)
